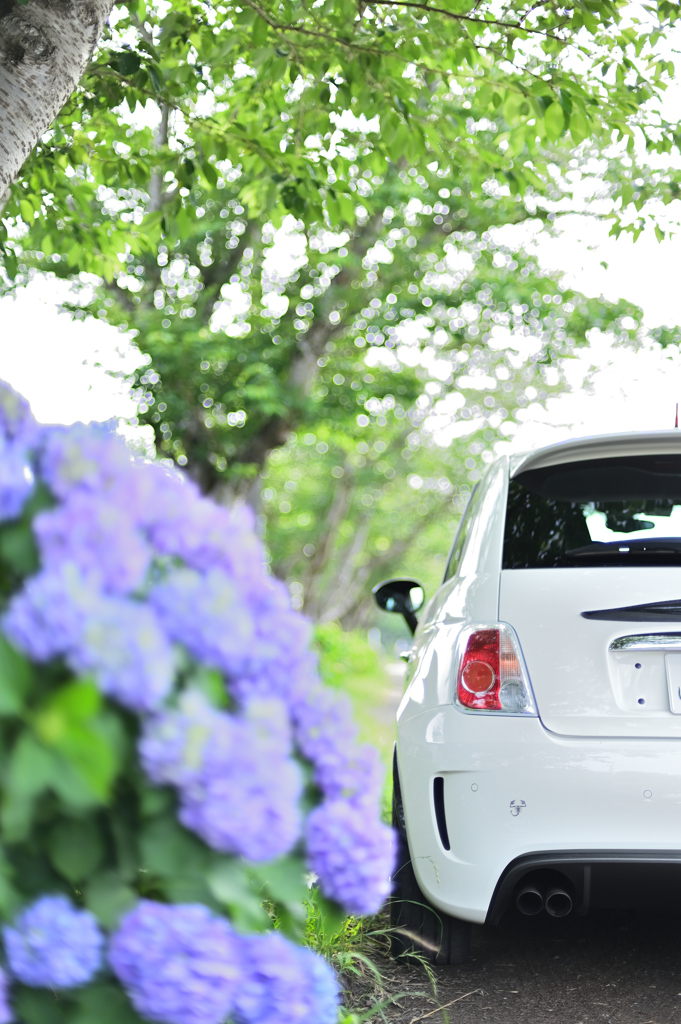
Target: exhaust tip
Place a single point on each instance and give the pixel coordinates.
(558, 903)
(529, 901)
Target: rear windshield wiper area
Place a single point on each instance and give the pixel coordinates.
(656, 611)
(661, 551)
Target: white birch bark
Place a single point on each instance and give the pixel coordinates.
(44, 48)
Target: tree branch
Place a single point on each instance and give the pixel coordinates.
(461, 17)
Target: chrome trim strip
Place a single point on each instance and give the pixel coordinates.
(647, 642)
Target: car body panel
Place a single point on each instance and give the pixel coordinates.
(582, 688)
(512, 788)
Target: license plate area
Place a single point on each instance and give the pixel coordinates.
(640, 681)
(673, 667)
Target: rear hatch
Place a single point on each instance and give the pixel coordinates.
(591, 582)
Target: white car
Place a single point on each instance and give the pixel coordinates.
(538, 754)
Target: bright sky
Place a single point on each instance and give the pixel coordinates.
(60, 365)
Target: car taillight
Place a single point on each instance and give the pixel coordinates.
(490, 672)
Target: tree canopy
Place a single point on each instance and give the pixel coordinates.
(382, 363)
(304, 98)
(389, 146)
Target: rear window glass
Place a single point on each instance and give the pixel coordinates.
(618, 511)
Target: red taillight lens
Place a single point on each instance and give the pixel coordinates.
(491, 675)
(478, 682)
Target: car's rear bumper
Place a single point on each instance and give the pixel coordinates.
(512, 789)
(632, 879)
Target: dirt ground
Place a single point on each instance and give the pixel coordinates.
(620, 967)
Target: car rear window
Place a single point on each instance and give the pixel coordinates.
(617, 511)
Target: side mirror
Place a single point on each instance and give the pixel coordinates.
(405, 597)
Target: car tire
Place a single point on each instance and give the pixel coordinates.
(418, 930)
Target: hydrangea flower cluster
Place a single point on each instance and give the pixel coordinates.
(239, 787)
(179, 964)
(53, 945)
(142, 585)
(6, 1015)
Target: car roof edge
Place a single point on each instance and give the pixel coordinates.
(598, 446)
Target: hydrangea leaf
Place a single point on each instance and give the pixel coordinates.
(108, 897)
(18, 548)
(16, 676)
(36, 1006)
(30, 768)
(168, 850)
(230, 885)
(127, 851)
(105, 1004)
(76, 849)
(283, 879)
(88, 756)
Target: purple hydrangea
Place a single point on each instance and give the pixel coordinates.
(17, 422)
(285, 675)
(16, 478)
(6, 1015)
(321, 986)
(325, 730)
(98, 536)
(121, 643)
(208, 615)
(45, 619)
(124, 647)
(284, 984)
(178, 964)
(280, 661)
(279, 628)
(244, 805)
(173, 743)
(87, 457)
(356, 773)
(326, 734)
(54, 945)
(205, 535)
(239, 789)
(352, 854)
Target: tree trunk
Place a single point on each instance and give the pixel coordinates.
(44, 48)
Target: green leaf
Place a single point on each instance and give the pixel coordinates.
(27, 211)
(554, 120)
(126, 63)
(18, 548)
(284, 879)
(156, 77)
(231, 886)
(30, 768)
(88, 748)
(16, 677)
(76, 849)
(104, 1004)
(37, 1006)
(512, 107)
(332, 916)
(169, 850)
(108, 897)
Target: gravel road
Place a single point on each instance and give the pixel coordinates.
(619, 967)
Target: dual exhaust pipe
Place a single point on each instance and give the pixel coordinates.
(532, 900)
